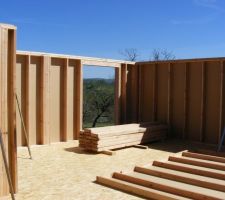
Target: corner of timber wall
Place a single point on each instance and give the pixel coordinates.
(7, 104)
(188, 95)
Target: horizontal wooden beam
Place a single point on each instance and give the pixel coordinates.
(132, 189)
(203, 157)
(181, 60)
(85, 60)
(8, 26)
(162, 187)
(100, 63)
(190, 170)
(210, 152)
(197, 163)
(178, 178)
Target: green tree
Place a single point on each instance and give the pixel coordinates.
(98, 101)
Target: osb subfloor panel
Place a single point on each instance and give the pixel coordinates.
(63, 171)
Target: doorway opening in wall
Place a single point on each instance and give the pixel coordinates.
(98, 96)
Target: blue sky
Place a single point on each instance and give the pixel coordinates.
(98, 72)
(102, 28)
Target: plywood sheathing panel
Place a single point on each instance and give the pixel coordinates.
(162, 92)
(212, 102)
(55, 79)
(132, 94)
(146, 88)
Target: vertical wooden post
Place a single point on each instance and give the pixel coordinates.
(4, 190)
(169, 95)
(46, 100)
(78, 99)
(117, 95)
(221, 123)
(185, 100)
(139, 91)
(25, 105)
(202, 117)
(63, 107)
(123, 93)
(12, 106)
(155, 88)
(42, 137)
(134, 88)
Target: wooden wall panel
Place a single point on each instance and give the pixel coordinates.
(177, 98)
(7, 104)
(212, 103)
(132, 94)
(55, 71)
(34, 99)
(189, 94)
(194, 101)
(146, 90)
(162, 92)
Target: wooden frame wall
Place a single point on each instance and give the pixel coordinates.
(186, 94)
(54, 124)
(7, 104)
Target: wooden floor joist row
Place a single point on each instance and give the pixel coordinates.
(189, 175)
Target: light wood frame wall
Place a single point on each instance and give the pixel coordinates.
(7, 104)
(186, 94)
(50, 90)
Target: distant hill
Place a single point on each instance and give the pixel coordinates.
(106, 80)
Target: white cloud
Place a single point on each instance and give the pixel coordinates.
(199, 21)
(211, 4)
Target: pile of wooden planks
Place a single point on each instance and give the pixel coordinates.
(113, 137)
(189, 175)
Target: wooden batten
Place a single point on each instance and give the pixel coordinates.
(3, 105)
(183, 179)
(186, 78)
(117, 95)
(12, 150)
(43, 137)
(204, 157)
(203, 96)
(161, 187)
(221, 124)
(78, 99)
(155, 88)
(190, 170)
(63, 106)
(133, 189)
(26, 99)
(197, 163)
(139, 91)
(169, 95)
(123, 93)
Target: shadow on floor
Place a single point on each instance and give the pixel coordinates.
(178, 145)
(79, 150)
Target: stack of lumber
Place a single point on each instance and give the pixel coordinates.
(189, 175)
(113, 137)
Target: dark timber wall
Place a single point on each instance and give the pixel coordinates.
(187, 94)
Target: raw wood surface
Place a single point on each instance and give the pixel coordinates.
(183, 182)
(62, 171)
(112, 137)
